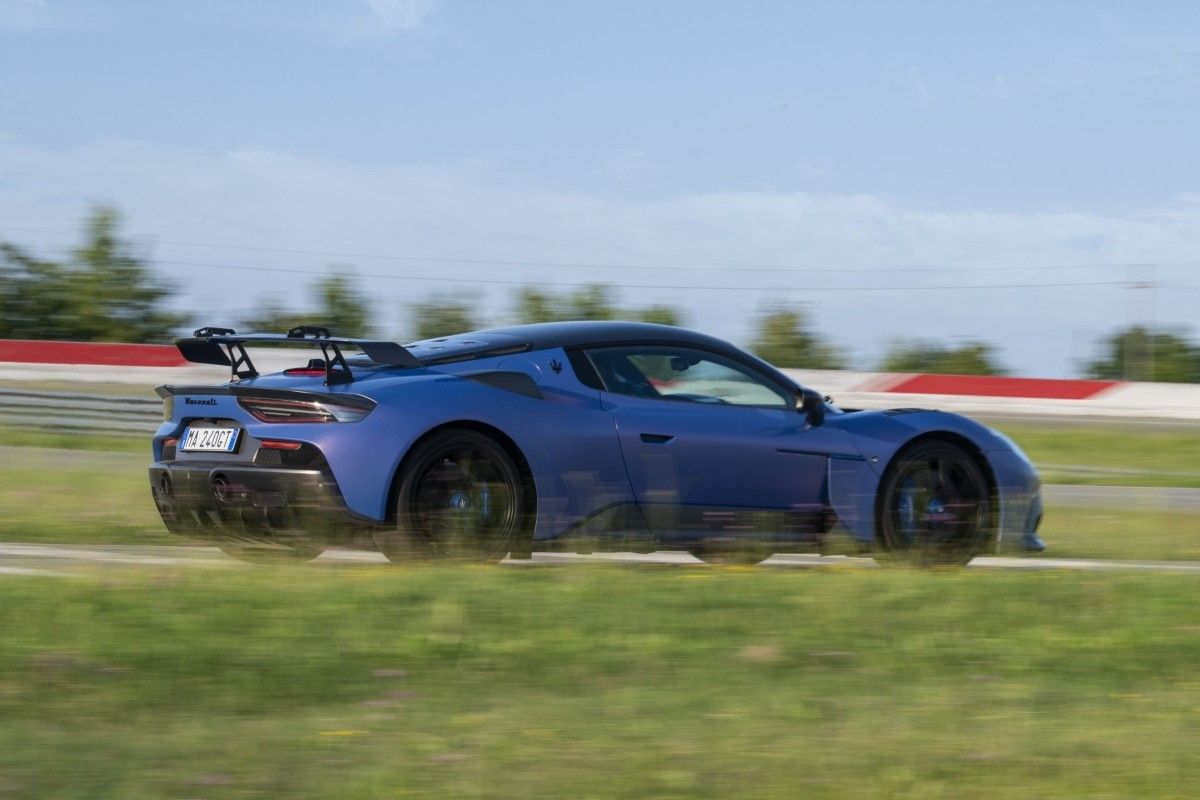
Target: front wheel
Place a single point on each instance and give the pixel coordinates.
(935, 506)
(461, 496)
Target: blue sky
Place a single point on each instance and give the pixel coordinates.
(900, 150)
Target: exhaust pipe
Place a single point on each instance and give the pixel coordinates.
(222, 490)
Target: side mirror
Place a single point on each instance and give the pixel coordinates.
(812, 405)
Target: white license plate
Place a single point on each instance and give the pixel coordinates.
(220, 440)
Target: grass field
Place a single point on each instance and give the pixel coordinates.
(320, 681)
(104, 498)
(1116, 454)
(1092, 453)
(309, 682)
(77, 496)
(65, 440)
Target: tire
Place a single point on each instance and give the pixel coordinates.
(461, 497)
(935, 506)
(270, 555)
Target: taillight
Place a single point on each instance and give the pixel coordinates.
(315, 369)
(274, 409)
(276, 444)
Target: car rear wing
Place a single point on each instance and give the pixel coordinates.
(227, 348)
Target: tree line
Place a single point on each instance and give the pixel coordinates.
(106, 290)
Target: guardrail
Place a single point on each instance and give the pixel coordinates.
(84, 413)
(82, 363)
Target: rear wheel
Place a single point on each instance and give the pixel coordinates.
(461, 496)
(935, 506)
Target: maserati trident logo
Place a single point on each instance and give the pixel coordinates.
(191, 401)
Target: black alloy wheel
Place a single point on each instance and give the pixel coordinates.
(461, 496)
(935, 506)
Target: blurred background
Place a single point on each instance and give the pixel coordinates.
(1006, 187)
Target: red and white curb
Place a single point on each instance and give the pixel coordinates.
(147, 365)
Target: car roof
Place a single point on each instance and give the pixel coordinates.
(589, 333)
(598, 332)
(548, 335)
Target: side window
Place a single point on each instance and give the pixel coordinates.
(680, 373)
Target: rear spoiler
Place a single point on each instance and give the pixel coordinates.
(225, 347)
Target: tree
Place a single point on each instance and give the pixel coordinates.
(343, 306)
(103, 292)
(1139, 354)
(661, 315)
(339, 305)
(971, 358)
(784, 339)
(590, 302)
(442, 315)
(270, 316)
(594, 301)
(536, 306)
(35, 297)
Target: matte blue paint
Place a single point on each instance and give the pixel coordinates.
(585, 449)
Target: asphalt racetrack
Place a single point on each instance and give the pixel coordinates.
(64, 560)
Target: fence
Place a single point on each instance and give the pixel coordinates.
(83, 413)
(23, 365)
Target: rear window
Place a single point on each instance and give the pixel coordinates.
(464, 347)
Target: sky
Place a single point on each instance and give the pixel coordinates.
(1021, 173)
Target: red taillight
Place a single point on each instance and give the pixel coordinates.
(304, 372)
(170, 442)
(276, 409)
(276, 444)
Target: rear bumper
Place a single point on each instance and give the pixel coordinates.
(242, 502)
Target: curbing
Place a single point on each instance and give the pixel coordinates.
(149, 365)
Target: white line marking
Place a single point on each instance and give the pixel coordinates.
(109, 554)
(161, 556)
(6, 570)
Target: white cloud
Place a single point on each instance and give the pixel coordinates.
(266, 198)
(401, 15)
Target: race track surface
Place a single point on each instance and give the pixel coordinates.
(58, 560)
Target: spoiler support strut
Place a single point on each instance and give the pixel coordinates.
(223, 347)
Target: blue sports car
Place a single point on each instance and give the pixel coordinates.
(571, 435)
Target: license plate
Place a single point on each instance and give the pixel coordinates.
(219, 440)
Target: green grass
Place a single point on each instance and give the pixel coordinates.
(76, 497)
(1072, 453)
(325, 682)
(81, 387)
(1112, 454)
(64, 440)
(1120, 533)
(306, 682)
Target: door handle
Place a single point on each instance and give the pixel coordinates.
(656, 438)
